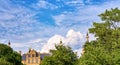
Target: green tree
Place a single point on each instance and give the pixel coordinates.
(63, 55)
(105, 50)
(8, 56)
(4, 62)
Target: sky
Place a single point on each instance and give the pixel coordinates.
(40, 24)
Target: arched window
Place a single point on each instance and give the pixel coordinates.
(32, 55)
(36, 60)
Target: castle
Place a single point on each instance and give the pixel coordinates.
(33, 57)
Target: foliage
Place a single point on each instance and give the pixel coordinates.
(105, 50)
(63, 55)
(8, 56)
(4, 62)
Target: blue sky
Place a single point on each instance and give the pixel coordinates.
(37, 23)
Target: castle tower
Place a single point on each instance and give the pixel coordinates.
(87, 40)
(87, 37)
(61, 42)
(20, 52)
(9, 43)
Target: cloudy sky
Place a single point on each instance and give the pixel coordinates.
(39, 24)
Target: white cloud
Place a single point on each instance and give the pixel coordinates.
(25, 45)
(79, 51)
(58, 19)
(35, 41)
(18, 45)
(44, 4)
(51, 43)
(72, 39)
(84, 14)
(76, 17)
(75, 3)
(17, 23)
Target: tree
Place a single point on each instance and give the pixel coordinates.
(105, 50)
(63, 55)
(4, 62)
(8, 56)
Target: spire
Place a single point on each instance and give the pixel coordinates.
(83, 51)
(87, 37)
(9, 43)
(30, 50)
(75, 52)
(20, 52)
(60, 41)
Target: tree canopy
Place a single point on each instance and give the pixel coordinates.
(8, 56)
(63, 55)
(105, 50)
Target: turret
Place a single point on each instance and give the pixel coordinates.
(9, 43)
(61, 42)
(87, 37)
(30, 50)
(20, 52)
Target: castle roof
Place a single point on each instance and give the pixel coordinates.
(24, 57)
(37, 54)
(43, 55)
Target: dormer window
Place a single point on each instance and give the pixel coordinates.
(28, 55)
(32, 55)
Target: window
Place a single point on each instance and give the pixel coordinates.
(28, 55)
(36, 60)
(28, 60)
(32, 55)
(32, 60)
